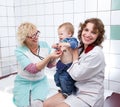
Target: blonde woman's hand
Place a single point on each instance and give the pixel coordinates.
(56, 54)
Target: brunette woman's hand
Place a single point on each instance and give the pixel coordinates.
(75, 54)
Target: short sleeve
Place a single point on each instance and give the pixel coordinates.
(22, 59)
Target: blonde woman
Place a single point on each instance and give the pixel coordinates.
(31, 84)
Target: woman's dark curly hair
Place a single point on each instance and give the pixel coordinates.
(98, 28)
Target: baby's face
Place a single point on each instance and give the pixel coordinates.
(63, 33)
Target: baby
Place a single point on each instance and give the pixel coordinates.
(66, 44)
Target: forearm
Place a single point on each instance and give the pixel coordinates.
(54, 55)
(51, 63)
(31, 68)
(64, 44)
(75, 55)
(40, 65)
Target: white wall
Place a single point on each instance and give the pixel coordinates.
(48, 14)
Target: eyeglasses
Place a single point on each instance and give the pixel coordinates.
(36, 35)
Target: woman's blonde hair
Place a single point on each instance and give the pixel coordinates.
(24, 30)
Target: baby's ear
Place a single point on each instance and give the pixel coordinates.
(70, 34)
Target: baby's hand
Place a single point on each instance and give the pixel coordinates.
(56, 54)
(59, 51)
(56, 46)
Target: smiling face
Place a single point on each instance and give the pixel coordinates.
(89, 36)
(28, 34)
(63, 33)
(65, 30)
(91, 32)
(32, 39)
